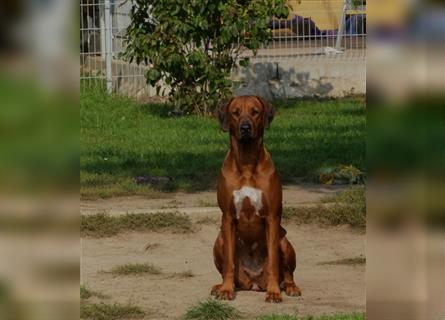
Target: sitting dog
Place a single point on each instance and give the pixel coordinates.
(251, 251)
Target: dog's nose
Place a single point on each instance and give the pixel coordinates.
(245, 127)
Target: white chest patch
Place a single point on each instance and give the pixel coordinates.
(254, 196)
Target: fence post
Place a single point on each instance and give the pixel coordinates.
(108, 46)
(341, 26)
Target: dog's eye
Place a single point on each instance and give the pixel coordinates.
(255, 112)
(235, 113)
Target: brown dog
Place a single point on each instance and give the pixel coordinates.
(251, 251)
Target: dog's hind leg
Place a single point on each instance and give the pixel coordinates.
(288, 264)
(218, 254)
(218, 258)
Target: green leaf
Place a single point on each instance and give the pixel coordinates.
(153, 75)
(244, 62)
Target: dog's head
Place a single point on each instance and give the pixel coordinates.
(245, 117)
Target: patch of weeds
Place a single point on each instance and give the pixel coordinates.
(104, 225)
(207, 203)
(135, 269)
(86, 293)
(341, 175)
(173, 221)
(353, 194)
(102, 311)
(169, 206)
(98, 225)
(348, 261)
(208, 220)
(95, 185)
(173, 204)
(212, 309)
(346, 207)
(303, 214)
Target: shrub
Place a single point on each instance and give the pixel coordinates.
(192, 45)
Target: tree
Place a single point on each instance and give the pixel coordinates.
(192, 45)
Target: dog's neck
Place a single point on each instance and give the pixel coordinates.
(247, 155)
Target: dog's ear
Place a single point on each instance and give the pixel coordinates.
(221, 113)
(269, 112)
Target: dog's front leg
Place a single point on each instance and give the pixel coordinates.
(273, 246)
(228, 230)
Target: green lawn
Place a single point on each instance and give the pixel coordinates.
(212, 309)
(121, 139)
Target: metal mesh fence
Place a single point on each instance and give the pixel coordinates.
(328, 30)
(318, 29)
(102, 32)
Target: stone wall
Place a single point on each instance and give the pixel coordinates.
(297, 79)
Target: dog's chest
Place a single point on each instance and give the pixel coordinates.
(247, 201)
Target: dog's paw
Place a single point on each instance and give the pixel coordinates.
(292, 290)
(273, 296)
(215, 289)
(222, 293)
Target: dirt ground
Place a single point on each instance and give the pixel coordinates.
(326, 288)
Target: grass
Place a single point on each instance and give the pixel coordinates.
(104, 225)
(212, 309)
(341, 316)
(121, 139)
(86, 293)
(208, 220)
(139, 269)
(346, 207)
(102, 311)
(207, 203)
(135, 269)
(347, 261)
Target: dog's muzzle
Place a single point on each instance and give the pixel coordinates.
(245, 131)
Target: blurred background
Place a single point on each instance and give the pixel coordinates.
(405, 157)
(39, 159)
